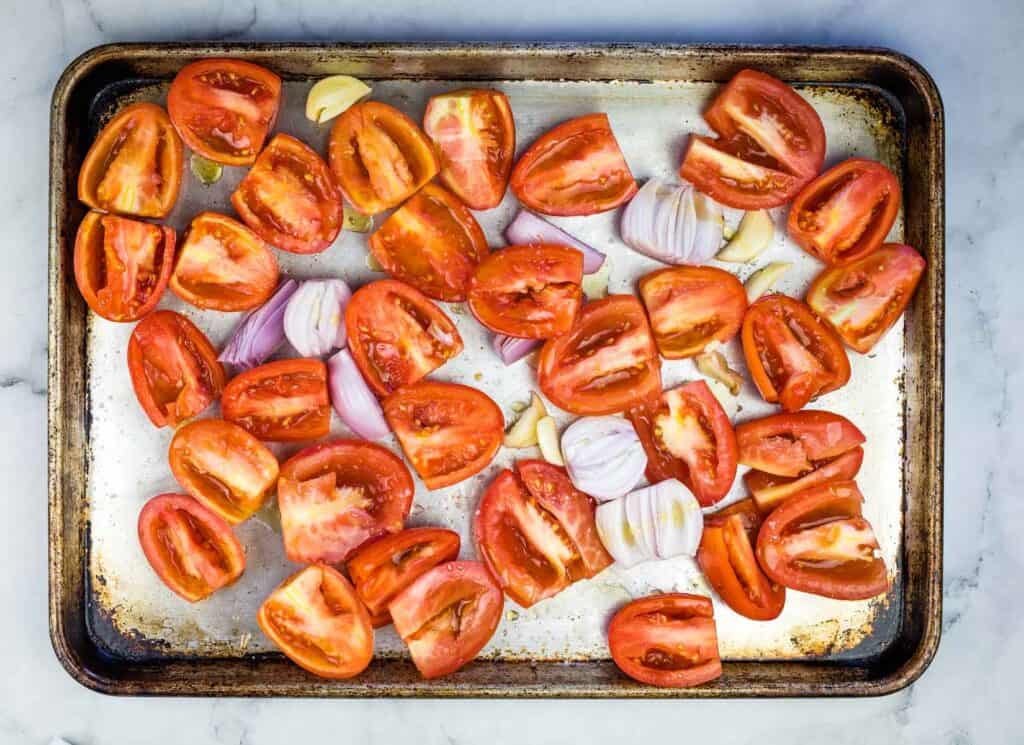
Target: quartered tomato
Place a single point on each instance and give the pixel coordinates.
(576, 168)
(819, 542)
(770, 144)
(846, 212)
(315, 618)
(531, 292)
(223, 265)
(447, 616)
(692, 306)
(134, 166)
(606, 363)
(224, 108)
(666, 640)
(397, 335)
(336, 496)
(448, 431)
(224, 467)
(475, 137)
(174, 368)
(192, 550)
(122, 266)
(863, 299)
(379, 156)
(792, 356)
(687, 436)
(433, 242)
(289, 198)
(283, 401)
(769, 490)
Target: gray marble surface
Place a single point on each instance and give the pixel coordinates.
(971, 692)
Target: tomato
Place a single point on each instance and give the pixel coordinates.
(379, 156)
(289, 198)
(863, 299)
(846, 212)
(397, 335)
(795, 444)
(315, 618)
(531, 292)
(792, 356)
(576, 168)
(692, 306)
(687, 436)
(223, 265)
(432, 242)
(387, 566)
(134, 166)
(224, 467)
(475, 137)
(122, 266)
(447, 616)
(282, 401)
(448, 431)
(769, 490)
(174, 368)
(336, 496)
(819, 542)
(224, 108)
(666, 640)
(771, 143)
(606, 363)
(190, 548)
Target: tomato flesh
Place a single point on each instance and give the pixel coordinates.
(282, 401)
(794, 444)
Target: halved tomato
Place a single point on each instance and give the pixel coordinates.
(282, 401)
(576, 168)
(134, 166)
(315, 618)
(792, 356)
(433, 242)
(190, 548)
(289, 198)
(336, 496)
(224, 108)
(666, 640)
(223, 265)
(448, 431)
(397, 335)
(447, 616)
(122, 266)
(692, 306)
(687, 436)
(606, 363)
(531, 292)
(863, 299)
(846, 212)
(379, 156)
(224, 467)
(819, 542)
(174, 368)
(475, 137)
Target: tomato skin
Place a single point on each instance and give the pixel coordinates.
(282, 401)
(190, 548)
(432, 242)
(122, 266)
(532, 292)
(554, 175)
(475, 136)
(675, 631)
(769, 490)
(729, 179)
(846, 212)
(448, 431)
(862, 300)
(289, 198)
(224, 108)
(793, 444)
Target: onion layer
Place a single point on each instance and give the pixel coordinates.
(353, 399)
(314, 321)
(529, 228)
(604, 456)
(673, 223)
(261, 331)
(512, 349)
(657, 522)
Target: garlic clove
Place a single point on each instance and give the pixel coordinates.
(523, 433)
(764, 279)
(714, 365)
(547, 439)
(753, 236)
(331, 96)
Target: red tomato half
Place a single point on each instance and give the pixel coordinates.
(769, 490)
(284, 401)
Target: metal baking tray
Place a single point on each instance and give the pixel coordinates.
(115, 627)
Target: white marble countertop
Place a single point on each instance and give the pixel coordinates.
(971, 692)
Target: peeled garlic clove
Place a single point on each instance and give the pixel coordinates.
(754, 235)
(764, 279)
(678, 521)
(714, 365)
(207, 171)
(547, 439)
(595, 286)
(524, 432)
(356, 221)
(604, 456)
(331, 96)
